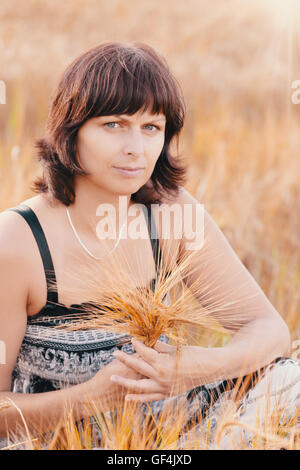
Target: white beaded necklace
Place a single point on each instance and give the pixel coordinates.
(83, 245)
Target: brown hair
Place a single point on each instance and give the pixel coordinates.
(111, 78)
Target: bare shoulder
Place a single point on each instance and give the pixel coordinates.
(184, 202)
(191, 207)
(15, 269)
(15, 233)
(192, 223)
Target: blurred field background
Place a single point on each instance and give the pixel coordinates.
(235, 61)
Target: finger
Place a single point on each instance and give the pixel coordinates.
(162, 347)
(145, 397)
(137, 363)
(142, 385)
(148, 354)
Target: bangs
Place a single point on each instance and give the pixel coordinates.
(133, 93)
(129, 80)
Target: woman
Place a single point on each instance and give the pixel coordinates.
(116, 108)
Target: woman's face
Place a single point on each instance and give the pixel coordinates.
(106, 145)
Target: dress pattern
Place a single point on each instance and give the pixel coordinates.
(50, 359)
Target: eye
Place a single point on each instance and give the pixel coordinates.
(155, 127)
(111, 127)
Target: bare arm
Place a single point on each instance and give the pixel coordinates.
(40, 411)
(43, 411)
(230, 293)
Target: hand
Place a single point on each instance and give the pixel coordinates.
(112, 393)
(158, 366)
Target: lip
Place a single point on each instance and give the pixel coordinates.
(130, 171)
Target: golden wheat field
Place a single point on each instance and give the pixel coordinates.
(236, 61)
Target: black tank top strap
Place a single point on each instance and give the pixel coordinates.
(28, 214)
(153, 238)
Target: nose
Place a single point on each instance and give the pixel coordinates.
(134, 144)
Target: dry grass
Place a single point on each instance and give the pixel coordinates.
(131, 429)
(121, 306)
(235, 62)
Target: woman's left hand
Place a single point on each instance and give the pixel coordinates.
(159, 365)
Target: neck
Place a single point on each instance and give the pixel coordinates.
(86, 211)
